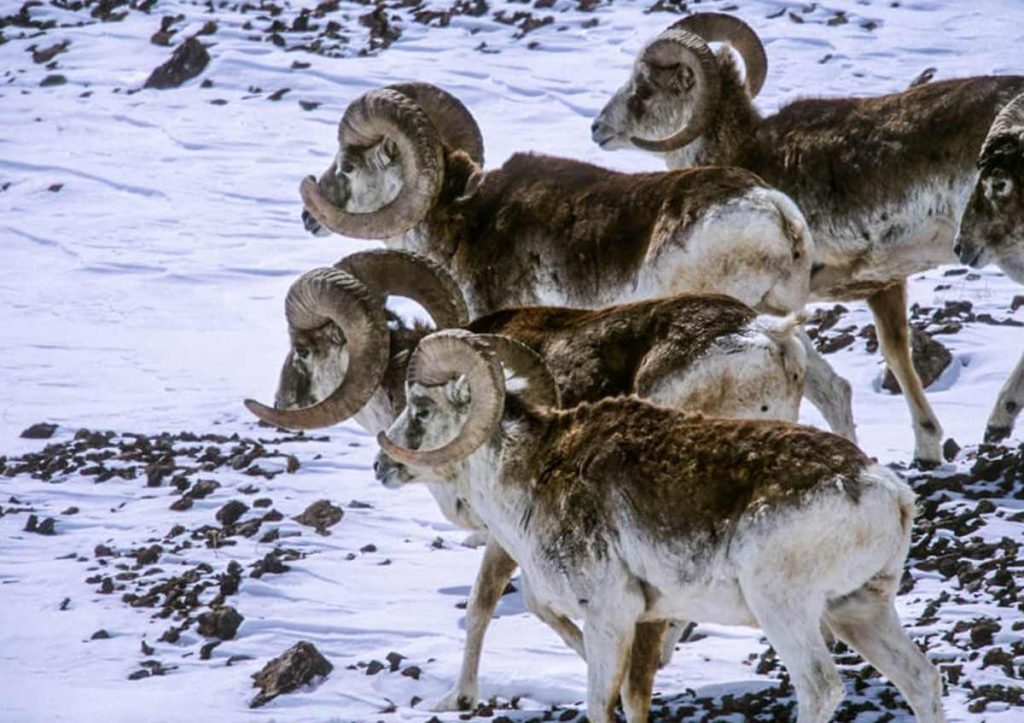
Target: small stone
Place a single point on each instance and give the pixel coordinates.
(52, 80)
(207, 649)
(930, 359)
(181, 504)
(320, 515)
(231, 512)
(100, 635)
(147, 649)
(220, 623)
(368, 548)
(374, 667)
(413, 671)
(42, 430)
(394, 660)
(950, 449)
(296, 667)
(139, 675)
(188, 60)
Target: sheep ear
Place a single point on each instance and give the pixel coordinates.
(472, 185)
(385, 152)
(677, 77)
(458, 391)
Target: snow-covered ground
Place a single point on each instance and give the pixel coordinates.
(146, 242)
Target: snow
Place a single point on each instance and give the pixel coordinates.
(145, 295)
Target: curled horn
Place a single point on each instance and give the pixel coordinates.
(676, 46)
(451, 118)
(541, 388)
(326, 295)
(368, 120)
(721, 28)
(439, 358)
(1007, 124)
(400, 273)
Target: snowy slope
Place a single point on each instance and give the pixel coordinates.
(144, 294)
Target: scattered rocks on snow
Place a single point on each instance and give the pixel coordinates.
(187, 61)
(297, 666)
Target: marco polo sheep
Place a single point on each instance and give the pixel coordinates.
(881, 180)
(628, 515)
(544, 230)
(992, 230)
(705, 353)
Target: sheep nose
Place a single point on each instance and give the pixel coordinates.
(595, 126)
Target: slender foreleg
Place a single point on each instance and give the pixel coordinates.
(890, 309)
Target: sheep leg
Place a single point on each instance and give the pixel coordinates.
(792, 624)
(496, 570)
(608, 636)
(643, 666)
(867, 622)
(890, 309)
(565, 628)
(1011, 396)
(828, 391)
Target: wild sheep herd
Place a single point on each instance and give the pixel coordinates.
(611, 393)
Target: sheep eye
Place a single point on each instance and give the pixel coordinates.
(347, 167)
(422, 414)
(302, 352)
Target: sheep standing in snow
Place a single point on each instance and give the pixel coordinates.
(992, 230)
(881, 180)
(629, 515)
(544, 230)
(704, 353)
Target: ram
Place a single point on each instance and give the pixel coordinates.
(881, 180)
(992, 230)
(704, 353)
(629, 515)
(544, 230)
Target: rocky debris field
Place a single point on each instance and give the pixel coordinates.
(149, 229)
(222, 531)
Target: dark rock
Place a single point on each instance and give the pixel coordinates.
(51, 80)
(203, 488)
(413, 671)
(47, 54)
(394, 660)
(207, 649)
(950, 449)
(220, 623)
(148, 555)
(100, 635)
(181, 504)
(47, 527)
(320, 515)
(42, 430)
(296, 667)
(188, 60)
(930, 359)
(231, 512)
(147, 649)
(139, 675)
(262, 502)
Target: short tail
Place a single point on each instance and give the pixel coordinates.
(783, 331)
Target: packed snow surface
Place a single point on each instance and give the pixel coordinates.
(147, 239)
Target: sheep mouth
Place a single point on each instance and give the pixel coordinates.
(312, 225)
